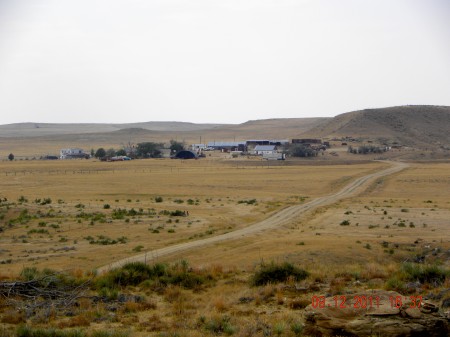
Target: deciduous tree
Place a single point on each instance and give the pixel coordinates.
(100, 153)
(148, 150)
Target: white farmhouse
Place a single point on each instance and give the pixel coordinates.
(198, 147)
(72, 153)
(264, 149)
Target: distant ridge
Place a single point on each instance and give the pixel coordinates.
(416, 125)
(265, 128)
(49, 129)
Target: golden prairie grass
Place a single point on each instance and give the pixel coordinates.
(210, 190)
(363, 255)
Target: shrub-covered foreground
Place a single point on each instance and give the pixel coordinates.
(176, 299)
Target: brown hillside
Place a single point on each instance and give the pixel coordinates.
(415, 126)
(279, 128)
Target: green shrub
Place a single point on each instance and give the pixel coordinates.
(431, 274)
(26, 331)
(111, 294)
(219, 325)
(395, 284)
(22, 199)
(345, 223)
(248, 202)
(130, 274)
(186, 280)
(275, 273)
(178, 213)
(23, 218)
(103, 333)
(46, 201)
(105, 241)
(119, 213)
(135, 273)
(158, 199)
(48, 278)
(138, 248)
(30, 273)
(38, 231)
(297, 328)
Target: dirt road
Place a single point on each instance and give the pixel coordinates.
(278, 219)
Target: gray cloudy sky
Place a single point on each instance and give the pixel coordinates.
(224, 61)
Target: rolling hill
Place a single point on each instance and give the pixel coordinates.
(414, 126)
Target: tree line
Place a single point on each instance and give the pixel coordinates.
(141, 150)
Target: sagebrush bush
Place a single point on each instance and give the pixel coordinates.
(161, 275)
(132, 274)
(50, 278)
(276, 273)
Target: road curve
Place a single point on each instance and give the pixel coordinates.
(278, 219)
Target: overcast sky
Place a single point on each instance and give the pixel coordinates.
(220, 61)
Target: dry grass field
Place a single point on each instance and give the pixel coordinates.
(217, 195)
(75, 216)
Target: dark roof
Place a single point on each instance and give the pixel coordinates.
(186, 154)
(272, 141)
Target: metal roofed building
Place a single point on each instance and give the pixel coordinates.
(277, 142)
(228, 146)
(252, 143)
(264, 149)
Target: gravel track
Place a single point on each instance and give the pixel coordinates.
(283, 217)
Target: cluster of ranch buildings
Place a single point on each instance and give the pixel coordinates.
(270, 149)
